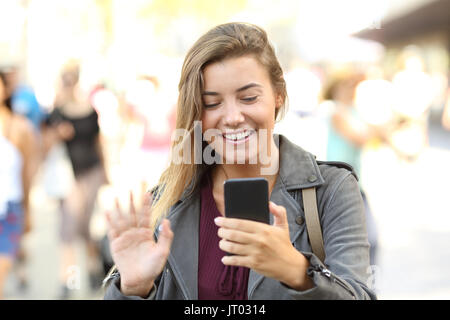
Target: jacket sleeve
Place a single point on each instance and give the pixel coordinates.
(345, 273)
(112, 290)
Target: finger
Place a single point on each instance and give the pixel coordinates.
(108, 218)
(280, 216)
(121, 222)
(243, 225)
(111, 220)
(143, 216)
(165, 237)
(235, 235)
(112, 232)
(235, 260)
(147, 199)
(234, 247)
(132, 210)
(117, 206)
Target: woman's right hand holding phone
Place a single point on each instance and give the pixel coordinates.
(138, 258)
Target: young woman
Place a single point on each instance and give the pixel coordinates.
(232, 88)
(18, 162)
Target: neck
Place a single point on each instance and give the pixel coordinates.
(268, 171)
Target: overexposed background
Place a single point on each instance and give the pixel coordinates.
(117, 41)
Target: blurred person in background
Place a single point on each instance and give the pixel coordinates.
(140, 123)
(75, 122)
(414, 93)
(21, 99)
(156, 119)
(18, 149)
(306, 122)
(348, 134)
(114, 121)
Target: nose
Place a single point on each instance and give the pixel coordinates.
(233, 115)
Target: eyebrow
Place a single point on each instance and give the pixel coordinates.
(250, 85)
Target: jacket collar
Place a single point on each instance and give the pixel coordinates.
(298, 168)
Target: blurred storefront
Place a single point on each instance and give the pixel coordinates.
(416, 35)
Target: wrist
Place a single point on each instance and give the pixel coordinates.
(297, 277)
(141, 290)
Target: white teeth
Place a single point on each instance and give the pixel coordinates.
(237, 136)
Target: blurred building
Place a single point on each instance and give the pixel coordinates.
(419, 28)
(421, 22)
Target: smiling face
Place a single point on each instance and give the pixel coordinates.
(239, 105)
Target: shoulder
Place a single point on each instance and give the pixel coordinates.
(333, 168)
(340, 180)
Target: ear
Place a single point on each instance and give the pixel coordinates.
(278, 101)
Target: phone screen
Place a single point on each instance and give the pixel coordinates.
(247, 198)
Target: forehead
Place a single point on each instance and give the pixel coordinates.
(234, 72)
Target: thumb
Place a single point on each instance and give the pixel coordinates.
(279, 214)
(166, 237)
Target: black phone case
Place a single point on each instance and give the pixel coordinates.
(247, 198)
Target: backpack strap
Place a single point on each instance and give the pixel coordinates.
(312, 214)
(312, 222)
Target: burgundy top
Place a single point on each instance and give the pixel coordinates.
(216, 281)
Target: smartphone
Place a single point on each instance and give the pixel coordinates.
(247, 198)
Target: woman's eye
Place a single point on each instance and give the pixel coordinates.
(249, 99)
(211, 105)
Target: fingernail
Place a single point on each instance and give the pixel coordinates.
(218, 220)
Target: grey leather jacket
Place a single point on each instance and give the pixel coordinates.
(343, 275)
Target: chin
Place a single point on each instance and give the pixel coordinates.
(241, 157)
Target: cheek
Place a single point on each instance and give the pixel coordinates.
(207, 122)
(264, 118)
(210, 123)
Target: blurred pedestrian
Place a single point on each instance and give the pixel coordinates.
(156, 118)
(18, 149)
(22, 99)
(75, 122)
(414, 92)
(348, 134)
(305, 123)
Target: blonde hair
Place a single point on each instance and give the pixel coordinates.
(229, 40)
